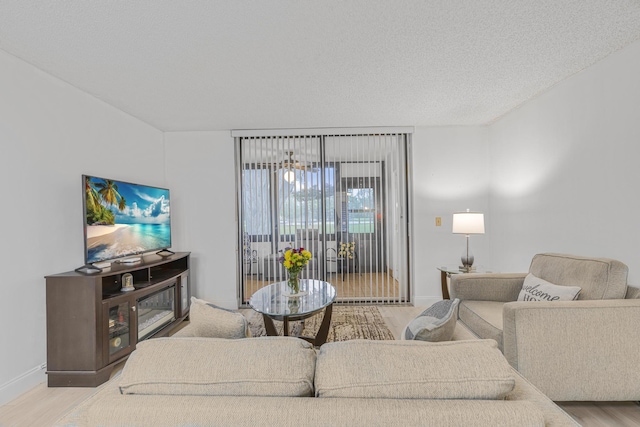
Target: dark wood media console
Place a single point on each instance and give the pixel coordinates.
(92, 325)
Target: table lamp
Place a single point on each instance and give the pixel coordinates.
(467, 223)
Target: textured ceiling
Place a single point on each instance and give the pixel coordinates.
(210, 65)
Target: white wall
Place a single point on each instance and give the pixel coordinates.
(449, 171)
(201, 175)
(565, 169)
(450, 174)
(50, 134)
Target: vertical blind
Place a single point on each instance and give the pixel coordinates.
(342, 197)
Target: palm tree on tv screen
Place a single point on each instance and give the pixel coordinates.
(107, 193)
(91, 195)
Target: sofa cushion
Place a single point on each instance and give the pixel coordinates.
(599, 278)
(413, 370)
(115, 410)
(436, 323)
(484, 318)
(265, 366)
(210, 321)
(246, 411)
(537, 289)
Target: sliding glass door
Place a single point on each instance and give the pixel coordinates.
(342, 197)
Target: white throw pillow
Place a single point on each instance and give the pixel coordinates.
(209, 320)
(537, 289)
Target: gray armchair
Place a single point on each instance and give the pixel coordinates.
(586, 349)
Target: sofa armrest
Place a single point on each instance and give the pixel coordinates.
(576, 350)
(487, 287)
(632, 293)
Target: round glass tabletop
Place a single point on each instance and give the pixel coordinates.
(276, 302)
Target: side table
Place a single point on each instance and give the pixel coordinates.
(446, 272)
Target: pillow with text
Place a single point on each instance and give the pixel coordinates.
(537, 289)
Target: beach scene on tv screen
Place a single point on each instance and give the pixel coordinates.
(124, 219)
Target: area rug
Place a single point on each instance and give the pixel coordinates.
(347, 323)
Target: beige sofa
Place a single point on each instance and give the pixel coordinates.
(571, 350)
(284, 381)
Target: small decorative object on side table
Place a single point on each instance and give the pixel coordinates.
(294, 260)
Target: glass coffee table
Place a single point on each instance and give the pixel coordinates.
(275, 302)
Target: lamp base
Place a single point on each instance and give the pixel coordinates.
(467, 269)
(467, 259)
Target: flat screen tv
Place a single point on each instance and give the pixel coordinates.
(122, 219)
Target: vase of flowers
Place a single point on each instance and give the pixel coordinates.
(293, 282)
(347, 250)
(294, 260)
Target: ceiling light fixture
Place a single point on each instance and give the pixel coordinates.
(289, 176)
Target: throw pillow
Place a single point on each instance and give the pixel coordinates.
(537, 289)
(266, 366)
(369, 369)
(436, 323)
(210, 321)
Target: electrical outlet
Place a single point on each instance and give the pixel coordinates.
(438, 221)
(43, 366)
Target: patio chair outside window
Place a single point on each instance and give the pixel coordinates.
(250, 256)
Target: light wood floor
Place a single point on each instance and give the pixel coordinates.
(42, 406)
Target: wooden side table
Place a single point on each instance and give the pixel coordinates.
(446, 272)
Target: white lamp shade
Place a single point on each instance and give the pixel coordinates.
(468, 223)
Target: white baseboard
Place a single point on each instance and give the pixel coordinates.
(425, 301)
(22, 383)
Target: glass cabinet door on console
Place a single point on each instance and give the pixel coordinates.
(120, 323)
(185, 298)
(155, 311)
